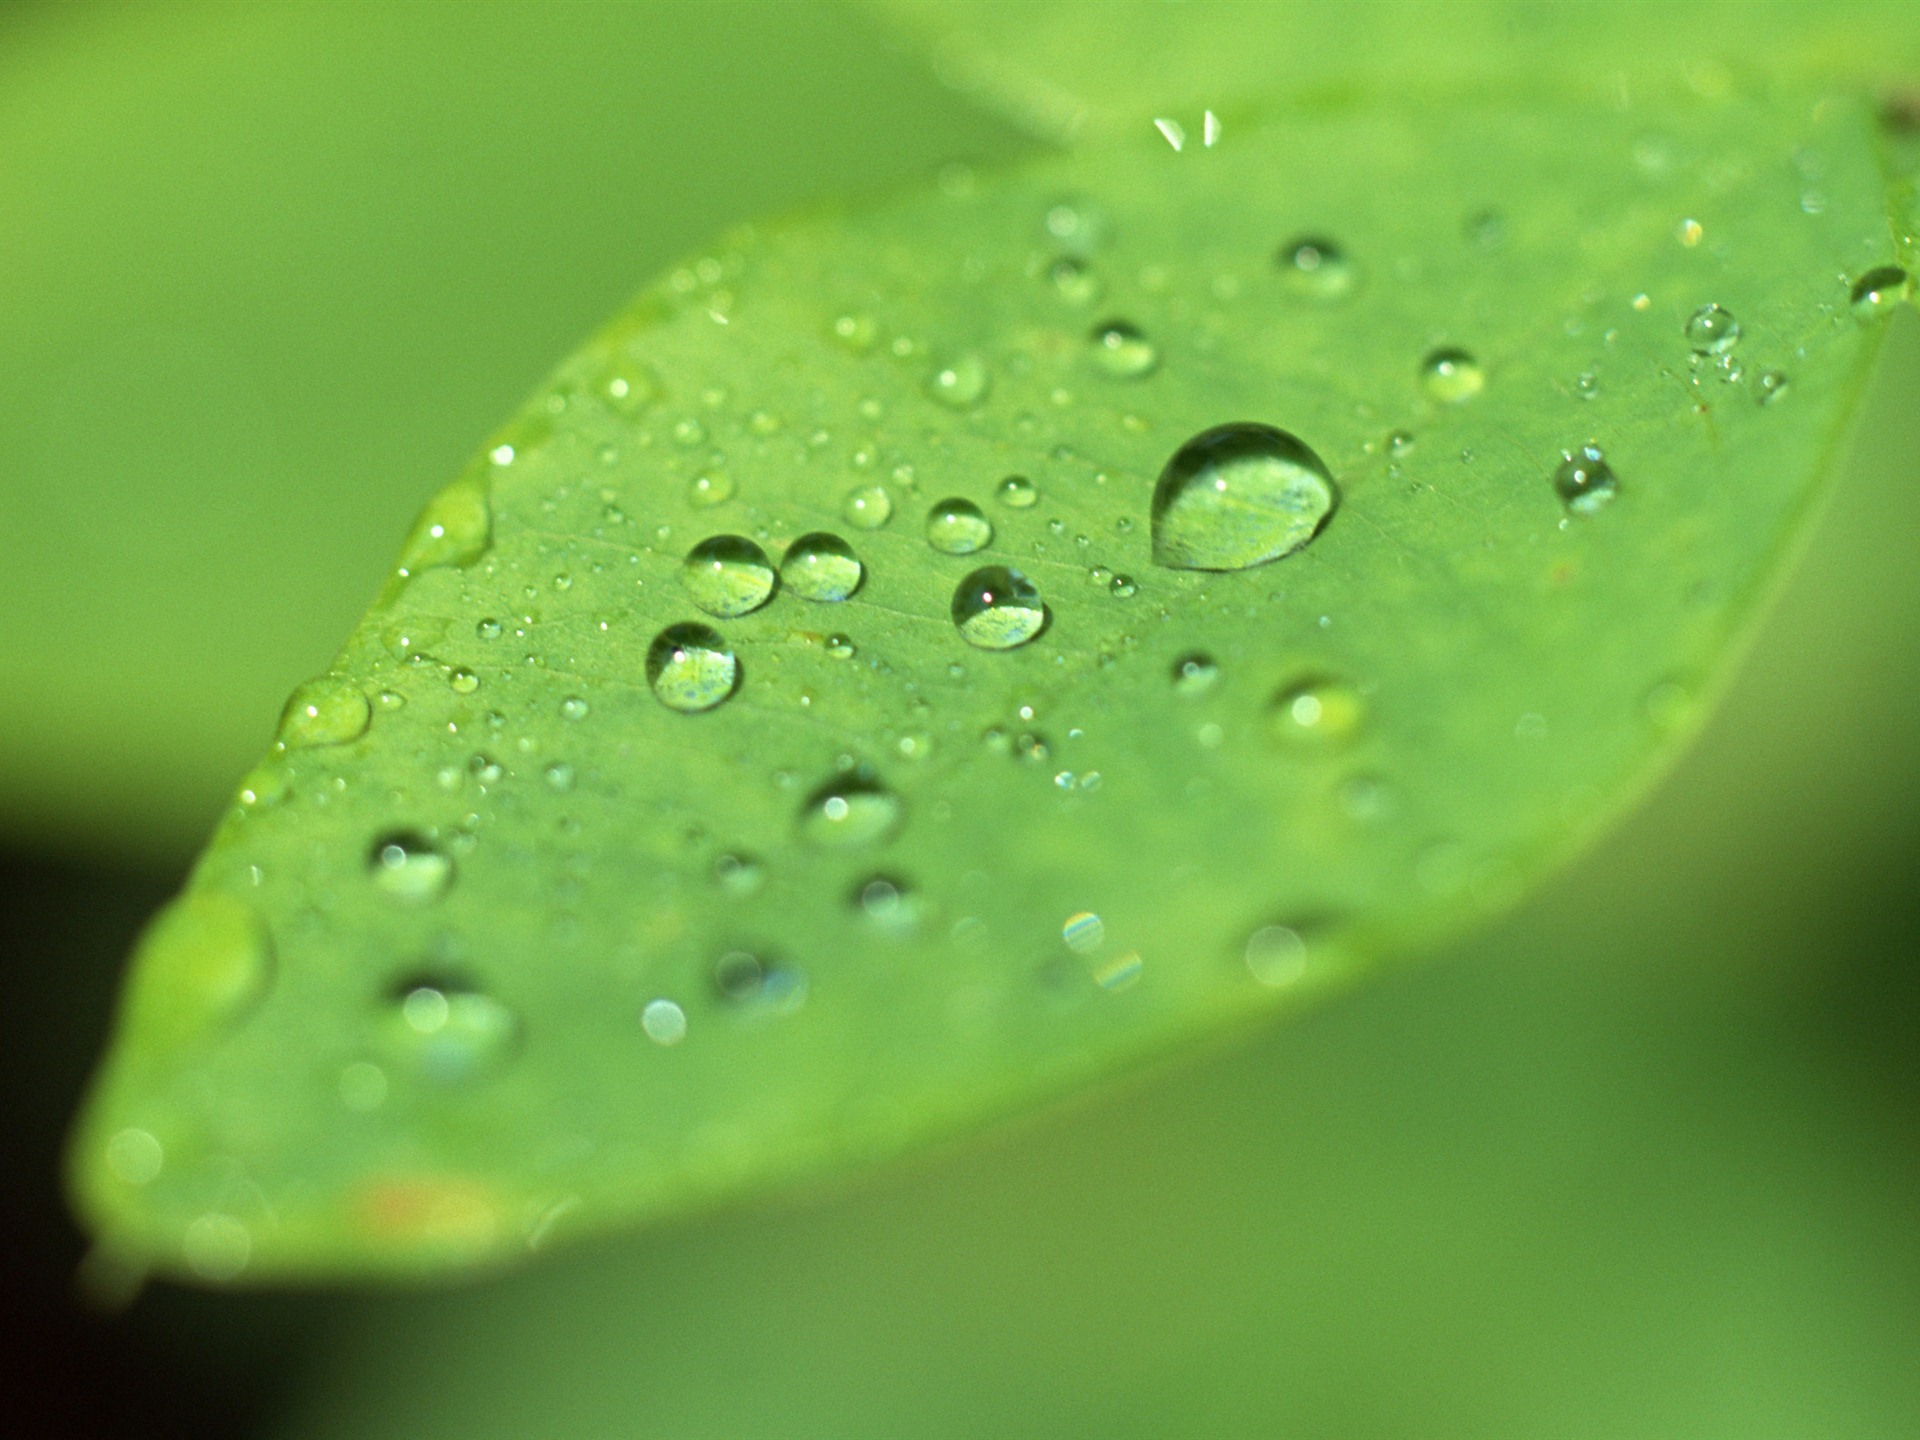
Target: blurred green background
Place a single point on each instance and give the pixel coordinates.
(1641, 1161)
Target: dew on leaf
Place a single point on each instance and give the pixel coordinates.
(851, 810)
(462, 681)
(1017, 492)
(1452, 376)
(1276, 955)
(1584, 481)
(1122, 351)
(325, 711)
(1236, 496)
(408, 866)
(728, 575)
(449, 1032)
(1712, 331)
(488, 628)
(453, 529)
(960, 383)
(1770, 385)
(1318, 710)
(997, 609)
(1879, 290)
(889, 903)
(710, 488)
(822, 567)
(1195, 674)
(840, 647)
(1317, 268)
(956, 527)
(691, 668)
(1075, 281)
(1122, 587)
(573, 708)
(868, 507)
(739, 875)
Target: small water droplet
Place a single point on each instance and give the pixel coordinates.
(1122, 587)
(1122, 351)
(1084, 932)
(453, 529)
(1584, 480)
(1770, 385)
(1712, 330)
(1317, 268)
(710, 488)
(1195, 674)
(1452, 376)
(690, 668)
(728, 575)
(868, 507)
(463, 681)
(1276, 955)
(410, 867)
(739, 875)
(961, 383)
(889, 903)
(1017, 492)
(956, 527)
(326, 711)
(573, 708)
(998, 609)
(559, 776)
(488, 629)
(821, 567)
(851, 810)
(1075, 281)
(449, 1032)
(1318, 710)
(840, 647)
(1237, 496)
(1879, 290)
(664, 1022)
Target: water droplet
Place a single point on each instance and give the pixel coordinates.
(217, 1247)
(1452, 376)
(1276, 955)
(1584, 481)
(326, 711)
(559, 776)
(135, 1156)
(1712, 330)
(1017, 492)
(449, 1032)
(840, 647)
(453, 529)
(1084, 932)
(1122, 351)
(1769, 386)
(664, 1022)
(690, 668)
(488, 629)
(1879, 290)
(889, 903)
(956, 527)
(821, 567)
(739, 875)
(1075, 281)
(961, 383)
(868, 507)
(1318, 710)
(1317, 268)
(1122, 587)
(463, 681)
(710, 488)
(851, 810)
(728, 575)
(997, 609)
(1195, 674)
(743, 979)
(573, 708)
(1237, 496)
(410, 867)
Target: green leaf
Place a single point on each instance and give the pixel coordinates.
(563, 912)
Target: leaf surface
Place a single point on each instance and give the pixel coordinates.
(498, 945)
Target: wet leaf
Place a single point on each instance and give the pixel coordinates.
(664, 869)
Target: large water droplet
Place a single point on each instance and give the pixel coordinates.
(690, 667)
(1584, 480)
(1452, 376)
(1712, 330)
(1317, 268)
(447, 1031)
(1318, 710)
(821, 567)
(1122, 351)
(1879, 290)
(453, 529)
(728, 575)
(997, 608)
(961, 383)
(410, 867)
(956, 527)
(851, 810)
(326, 711)
(1236, 496)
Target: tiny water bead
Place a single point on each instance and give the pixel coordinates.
(956, 527)
(821, 567)
(1879, 290)
(998, 609)
(1712, 331)
(1276, 956)
(326, 711)
(1770, 385)
(690, 667)
(868, 507)
(728, 575)
(1236, 496)
(739, 875)
(1195, 674)
(1318, 710)
(454, 529)
(1584, 481)
(746, 981)
(664, 1022)
(410, 867)
(573, 708)
(1075, 281)
(841, 647)
(851, 810)
(889, 903)
(449, 1032)
(1452, 376)
(1017, 492)
(1121, 350)
(1317, 268)
(960, 383)
(710, 488)
(462, 681)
